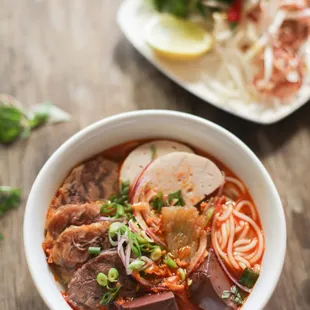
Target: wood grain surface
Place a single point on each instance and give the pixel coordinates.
(73, 53)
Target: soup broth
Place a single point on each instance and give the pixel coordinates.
(154, 223)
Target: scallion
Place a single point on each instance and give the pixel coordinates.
(94, 250)
(170, 262)
(176, 198)
(113, 275)
(102, 279)
(156, 254)
(248, 277)
(182, 273)
(136, 264)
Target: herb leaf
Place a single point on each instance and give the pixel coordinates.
(12, 123)
(176, 197)
(118, 205)
(157, 202)
(9, 198)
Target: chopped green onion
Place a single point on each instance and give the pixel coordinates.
(109, 296)
(134, 244)
(189, 282)
(113, 275)
(234, 294)
(248, 277)
(125, 186)
(94, 250)
(106, 298)
(156, 254)
(142, 240)
(120, 212)
(226, 294)
(102, 279)
(182, 273)
(116, 227)
(136, 264)
(154, 151)
(176, 197)
(170, 262)
(157, 202)
(209, 215)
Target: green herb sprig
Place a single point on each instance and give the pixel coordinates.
(16, 123)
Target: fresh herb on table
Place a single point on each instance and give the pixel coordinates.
(16, 123)
(234, 294)
(9, 198)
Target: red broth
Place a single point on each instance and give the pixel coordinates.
(119, 153)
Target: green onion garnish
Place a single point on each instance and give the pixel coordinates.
(157, 202)
(248, 277)
(234, 294)
(109, 296)
(182, 273)
(102, 279)
(113, 275)
(170, 262)
(176, 197)
(136, 264)
(156, 254)
(94, 250)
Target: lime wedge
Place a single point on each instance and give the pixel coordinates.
(178, 39)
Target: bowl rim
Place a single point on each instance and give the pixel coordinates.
(281, 248)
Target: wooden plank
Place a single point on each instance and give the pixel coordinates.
(73, 53)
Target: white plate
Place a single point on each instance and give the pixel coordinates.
(133, 17)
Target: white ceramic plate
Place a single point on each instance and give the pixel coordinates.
(133, 17)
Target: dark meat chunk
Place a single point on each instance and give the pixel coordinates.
(67, 215)
(163, 301)
(70, 250)
(95, 179)
(85, 293)
(209, 282)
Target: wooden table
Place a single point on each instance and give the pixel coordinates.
(73, 53)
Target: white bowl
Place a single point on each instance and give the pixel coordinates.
(158, 124)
